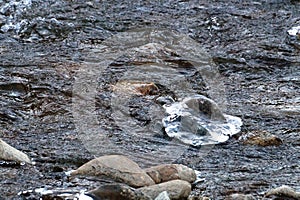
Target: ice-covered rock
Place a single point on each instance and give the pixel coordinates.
(198, 121)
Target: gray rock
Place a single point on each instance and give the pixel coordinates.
(115, 167)
(238, 196)
(117, 192)
(9, 153)
(163, 196)
(177, 189)
(167, 172)
(284, 192)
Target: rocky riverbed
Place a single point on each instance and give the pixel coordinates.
(45, 47)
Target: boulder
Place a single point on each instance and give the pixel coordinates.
(167, 172)
(177, 189)
(9, 153)
(116, 167)
(260, 138)
(284, 192)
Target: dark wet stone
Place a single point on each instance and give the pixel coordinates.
(117, 192)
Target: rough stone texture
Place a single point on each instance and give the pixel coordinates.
(116, 167)
(192, 197)
(9, 153)
(163, 196)
(177, 189)
(284, 192)
(238, 196)
(117, 192)
(135, 87)
(167, 172)
(260, 138)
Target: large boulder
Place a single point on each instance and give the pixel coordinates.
(167, 172)
(9, 153)
(116, 167)
(177, 189)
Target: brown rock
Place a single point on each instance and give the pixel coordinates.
(9, 153)
(116, 167)
(284, 192)
(261, 138)
(135, 87)
(167, 172)
(177, 189)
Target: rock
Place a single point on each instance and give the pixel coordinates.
(167, 172)
(163, 196)
(205, 106)
(284, 192)
(177, 189)
(238, 196)
(198, 120)
(260, 138)
(116, 167)
(135, 87)
(9, 153)
(117, 192)
(192, 197)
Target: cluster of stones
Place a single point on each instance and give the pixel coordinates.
(167, 181)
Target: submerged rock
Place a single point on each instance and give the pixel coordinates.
(9, 153)
(116, 167)
(199, 121)
(260, 138)
(284, 192)
(177, 189)
(167, 172)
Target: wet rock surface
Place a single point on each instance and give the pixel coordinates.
(44, 43)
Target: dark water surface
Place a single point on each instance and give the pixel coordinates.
(44, 44)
